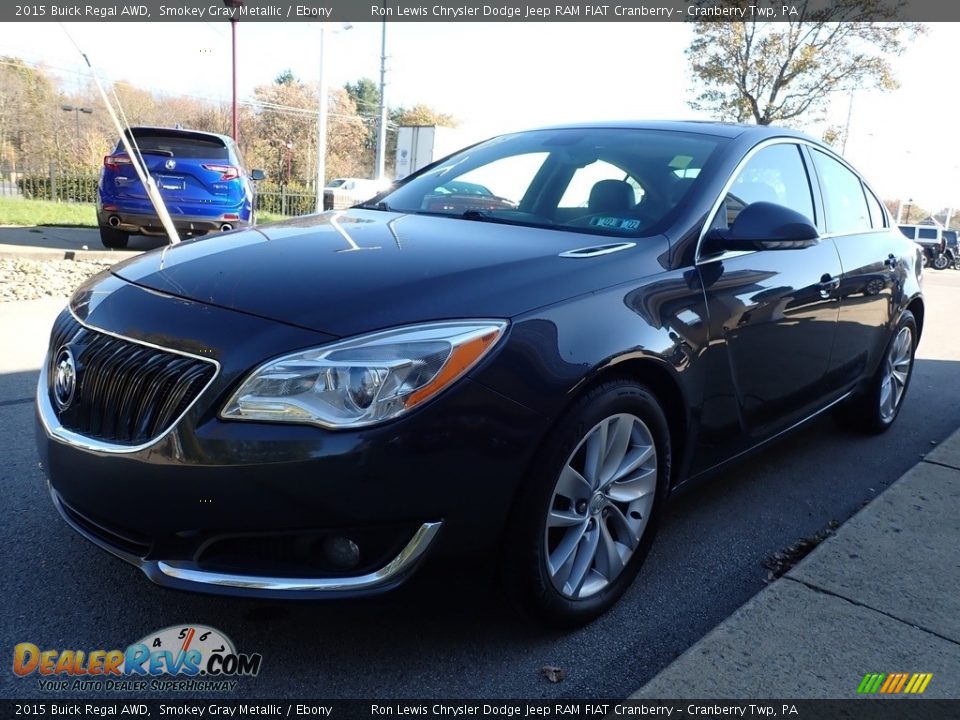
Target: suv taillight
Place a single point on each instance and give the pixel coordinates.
(113, 162)
(227, 172)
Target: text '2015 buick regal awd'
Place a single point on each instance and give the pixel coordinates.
(523, 348)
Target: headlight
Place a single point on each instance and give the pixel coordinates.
(365, 380)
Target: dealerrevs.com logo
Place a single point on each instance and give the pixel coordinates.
(186, 658)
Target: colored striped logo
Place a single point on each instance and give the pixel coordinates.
(894, 683)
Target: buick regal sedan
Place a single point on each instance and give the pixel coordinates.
(311, 409)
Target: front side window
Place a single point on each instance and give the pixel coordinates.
(846, 205)
(607, 181)
(774, 174)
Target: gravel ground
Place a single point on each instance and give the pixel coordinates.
(32, 279)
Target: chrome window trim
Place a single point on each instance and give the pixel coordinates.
(784, 140)
(51, 424)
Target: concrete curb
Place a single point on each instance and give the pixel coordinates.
(879, 596)
(42, 254)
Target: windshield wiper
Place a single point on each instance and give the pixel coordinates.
(382, 206)
(486, 216)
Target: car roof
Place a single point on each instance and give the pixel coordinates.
(703, 127)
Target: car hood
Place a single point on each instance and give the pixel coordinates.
(343, 273)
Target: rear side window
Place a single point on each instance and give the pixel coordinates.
(908, 232)
(843, 198)
(877, 220)
(181, 146)
(927, 233)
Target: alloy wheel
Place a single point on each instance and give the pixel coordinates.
(897, 371)
(600, 506)
(940, 262)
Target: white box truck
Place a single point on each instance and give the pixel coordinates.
(420, 145)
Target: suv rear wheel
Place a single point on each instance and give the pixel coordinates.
(114, 239)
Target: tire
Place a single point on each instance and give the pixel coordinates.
(113, 239)
(956, 262)
(601, 527)
(941, 262)
(874, 410)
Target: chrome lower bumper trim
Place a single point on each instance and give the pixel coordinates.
(388, 574)
(166, 573)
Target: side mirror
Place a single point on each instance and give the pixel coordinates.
(764, 226)
(258, 175)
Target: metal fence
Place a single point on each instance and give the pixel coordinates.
(58, 185)
(49, 183)
(281, 200)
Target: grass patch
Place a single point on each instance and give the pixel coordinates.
(16, 211)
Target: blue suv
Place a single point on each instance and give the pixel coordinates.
(200, 176)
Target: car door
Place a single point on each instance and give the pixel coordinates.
(872, 271)
(772, 313)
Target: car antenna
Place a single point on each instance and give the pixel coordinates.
(130, 145)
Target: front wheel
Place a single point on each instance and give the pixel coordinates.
(941, 262)
(877, 407)
(582, 528)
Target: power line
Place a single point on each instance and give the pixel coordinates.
(275, 107)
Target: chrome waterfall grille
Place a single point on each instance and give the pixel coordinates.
(116, 390)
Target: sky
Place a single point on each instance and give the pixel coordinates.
(498, 77)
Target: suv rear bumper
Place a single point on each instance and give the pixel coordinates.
(144, 224)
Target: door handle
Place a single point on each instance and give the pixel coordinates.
(828, 285)
(891, 261)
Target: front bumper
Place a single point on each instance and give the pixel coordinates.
(241, 507)
(187, 577)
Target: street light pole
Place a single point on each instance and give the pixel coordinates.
(322, 121)
(321, 127)
(76, 111)
(382, 120)
(235, 6)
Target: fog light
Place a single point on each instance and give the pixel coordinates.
(341, 552)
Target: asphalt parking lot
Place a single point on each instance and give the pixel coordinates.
(450, 635)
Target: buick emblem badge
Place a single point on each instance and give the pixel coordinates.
(170, 164)
(65, 378)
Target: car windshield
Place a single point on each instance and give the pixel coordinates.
(616, 182)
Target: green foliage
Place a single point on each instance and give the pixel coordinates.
(286, 78)
(29, 213)
(276, 199)
(767, 72)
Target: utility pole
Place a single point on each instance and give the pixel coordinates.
(234, 6)
(382, 120)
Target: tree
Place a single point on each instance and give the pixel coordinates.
(284, 129)
(768, 72)
(421, 114)
(365, 95)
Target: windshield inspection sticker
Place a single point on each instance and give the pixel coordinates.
(615, 223)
